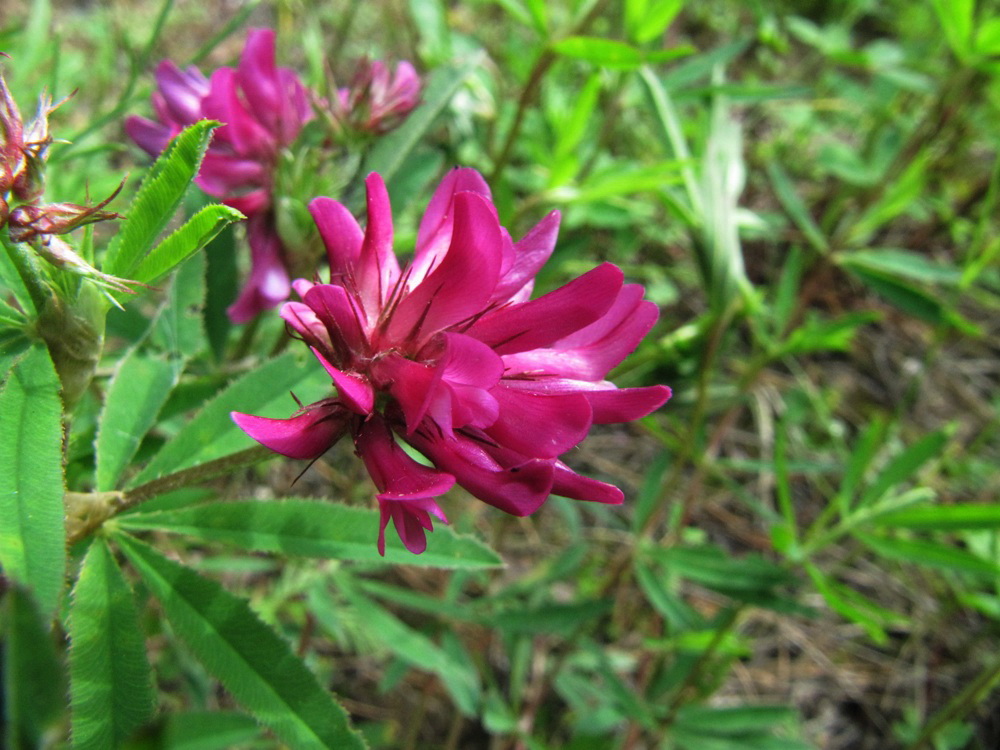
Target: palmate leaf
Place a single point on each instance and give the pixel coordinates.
(139, 388)
(32, 531)
(158, 198)
(312, 529)
(211, 433)
(250, 660)
(111, 687)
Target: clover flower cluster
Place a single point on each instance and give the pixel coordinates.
(263, 109)
(449, 354)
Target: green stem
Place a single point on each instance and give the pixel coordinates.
(541, 66)
(85, 513)
(959, 706)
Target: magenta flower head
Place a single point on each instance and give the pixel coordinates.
(377, 100)
(451, 355)
(262, 108)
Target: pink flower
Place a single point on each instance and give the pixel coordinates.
(377, 100)
(450, 354)
(263, 108)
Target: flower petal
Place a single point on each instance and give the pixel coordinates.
(268, 284)
(394, 473)
(462, 283)
(353, 390)
(434, 234)
(376, 269)
(340, 232)
(530, 254)
(514, 484)
(543, 321)
(540, 426)
(568, 483)
(592, 352)
(150, 136)
(182, 91)
(304, 436)
(339, 313)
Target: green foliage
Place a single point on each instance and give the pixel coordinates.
(110, 681)
(311, 529)
(139, 388)
(808, 193)
(32, 537)
(33, 680)
(211, 433)
(247, 657)
(159, 196)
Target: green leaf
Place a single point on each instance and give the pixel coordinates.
(390, 152)
(251, 661)
(197, 232)
(209, 730)
(33, 681)
(416, 649)
(735, 728)
(139, 387)
(220, 277)
(866, 446)
(796, 207)
(904, 467)
(211, 433)
(609, 53)
(312, 529)
(111, 687)
(159, 196)
(650, 18)
(676, 612)
(988, 37)
(11, 279)
(943, 518)
(904, 264)
(743, 578)
(32, 534)
(561, 619)
(908, 298)
(621, 179)
(10, 316)
(956, 17)
(931, 554)
(856, 607)
(177, 330)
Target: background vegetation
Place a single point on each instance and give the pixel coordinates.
(808, 555)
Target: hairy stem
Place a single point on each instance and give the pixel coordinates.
(86, 512)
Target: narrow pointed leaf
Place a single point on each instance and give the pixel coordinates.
(139, 388)
(944, 517)
(904, 466)
(159, 196)
(312, 529)
(177, 330)
(32, 532)
(250, 660)
(416, 649)
(197, 232)
(111, 689)
(210, 730)
(33, 684)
